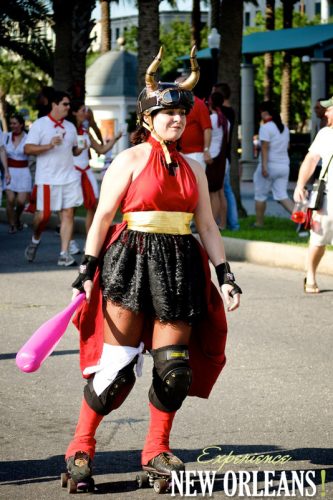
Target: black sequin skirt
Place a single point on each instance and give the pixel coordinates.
(159, 274)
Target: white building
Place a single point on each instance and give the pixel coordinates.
(312, 8)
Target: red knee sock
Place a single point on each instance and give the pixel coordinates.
(84, 437)
(157, 439)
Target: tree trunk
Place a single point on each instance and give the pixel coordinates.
(148, 36)
(215, 9)
(105, 26)
(229, 72)
(81, 28)
(196, 24)
(288, 7)
(63, 14)
(72, 26)
(269, 56)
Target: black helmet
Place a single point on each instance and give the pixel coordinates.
(162, 95)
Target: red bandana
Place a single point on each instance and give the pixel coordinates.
(56, 122)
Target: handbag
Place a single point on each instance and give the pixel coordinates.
(316, 198)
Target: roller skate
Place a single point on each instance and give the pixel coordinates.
(79, 474)
(157, 473)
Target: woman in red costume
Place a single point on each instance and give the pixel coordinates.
(147, 281)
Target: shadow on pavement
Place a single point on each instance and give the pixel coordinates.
(21, 472)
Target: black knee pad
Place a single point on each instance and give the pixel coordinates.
(172, 376)
(115, 394)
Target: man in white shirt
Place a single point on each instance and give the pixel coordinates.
(53, 140)
(322, 220)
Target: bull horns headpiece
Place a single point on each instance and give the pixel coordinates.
(188, 84)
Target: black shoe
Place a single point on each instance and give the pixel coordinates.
(166, 463)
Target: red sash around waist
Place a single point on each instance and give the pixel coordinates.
(17, 163)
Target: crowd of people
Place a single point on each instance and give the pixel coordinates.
(147, 280)
(53, 140)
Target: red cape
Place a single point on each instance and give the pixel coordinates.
(208, 339)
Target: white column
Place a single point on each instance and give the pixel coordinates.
(324, 11)
(247, 120)
(318, 86)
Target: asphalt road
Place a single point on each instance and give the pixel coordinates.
(274, 396)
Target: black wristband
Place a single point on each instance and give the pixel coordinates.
(226, 277)
(86, 271)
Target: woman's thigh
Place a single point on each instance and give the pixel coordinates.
(121, 326)
(177, 333)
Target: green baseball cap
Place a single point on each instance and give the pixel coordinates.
(327, 104)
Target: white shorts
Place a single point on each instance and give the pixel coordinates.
(277, 182)
(92, 179)
(321, 233)
(199, 157)
(60, 196)
(20, 180)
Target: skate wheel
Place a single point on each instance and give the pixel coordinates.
(160, 485)
(64, 479)
(71, 486)
(141, 480)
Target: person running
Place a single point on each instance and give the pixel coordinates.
(54, 141)
(147, 281)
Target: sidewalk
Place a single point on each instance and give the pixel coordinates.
(257, 252)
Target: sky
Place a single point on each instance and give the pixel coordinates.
(127, 7)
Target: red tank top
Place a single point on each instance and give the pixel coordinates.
(156, 189)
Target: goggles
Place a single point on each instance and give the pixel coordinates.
(164, 98)
(175, 97)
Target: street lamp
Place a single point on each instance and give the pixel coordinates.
(214, 38)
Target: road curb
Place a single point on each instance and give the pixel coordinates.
(256, 252)
(274, 254)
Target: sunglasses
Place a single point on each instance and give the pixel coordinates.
(66, 103)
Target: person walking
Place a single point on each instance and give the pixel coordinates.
(17, 191)
(147, 281)
(321, 233)
(84, 173)
(228, 195)
(54, 141)
(272, 172)
(4, 172)
(215, 170)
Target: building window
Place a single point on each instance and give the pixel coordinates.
(247, 18)
(117, 33)
(317, 8)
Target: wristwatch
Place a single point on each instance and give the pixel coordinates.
(206, 149)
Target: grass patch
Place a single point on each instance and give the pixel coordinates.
(276, 230)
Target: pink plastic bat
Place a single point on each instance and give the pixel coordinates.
(46, 337)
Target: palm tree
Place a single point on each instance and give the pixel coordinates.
(229, 72)
(72, 26)
(215, 12)
(148, 36)
(22, 30)
(288, 7)
(196, 24)
(105, 26)
(269, 56)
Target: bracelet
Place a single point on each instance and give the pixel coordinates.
(206, 149)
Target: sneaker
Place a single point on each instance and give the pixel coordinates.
(73, 248)
(303, 234)
(30, 251)
(66, 260)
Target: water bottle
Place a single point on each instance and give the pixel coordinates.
(299, 213)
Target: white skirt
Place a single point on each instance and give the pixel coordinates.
(20, 180)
